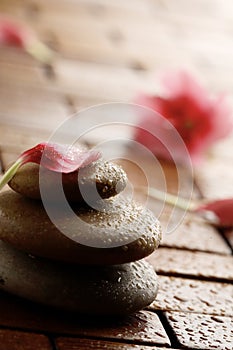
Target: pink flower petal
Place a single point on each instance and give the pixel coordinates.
(222, 208)
(178, 82)
(59, 158)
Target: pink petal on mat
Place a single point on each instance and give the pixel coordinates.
(222, 209)
(60, 158)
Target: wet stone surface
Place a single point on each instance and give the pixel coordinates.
(100, 179)
(101, 290)
(128, 230)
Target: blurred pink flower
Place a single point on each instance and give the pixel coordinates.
(199, 120)
(14, 33)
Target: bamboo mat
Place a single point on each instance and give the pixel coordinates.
(108, 51)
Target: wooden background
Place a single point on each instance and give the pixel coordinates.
(107, 51)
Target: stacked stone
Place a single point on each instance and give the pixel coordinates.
(40, 263)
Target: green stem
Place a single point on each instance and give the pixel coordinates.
(170, 199)
(10, 173)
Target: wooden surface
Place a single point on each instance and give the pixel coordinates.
(107, 51)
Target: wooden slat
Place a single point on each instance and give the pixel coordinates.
(16, 56)
(1, 162)
(194, 234)
(30, 106)
(22, 75)
(15, 340)
(213, 8)
(142, 327)
(193, 264)
(88, 344)
(214, 178)
(228, 234)
(197, 331)
(223, 148)
(189, 295)
(92, 80)
(14, 140)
